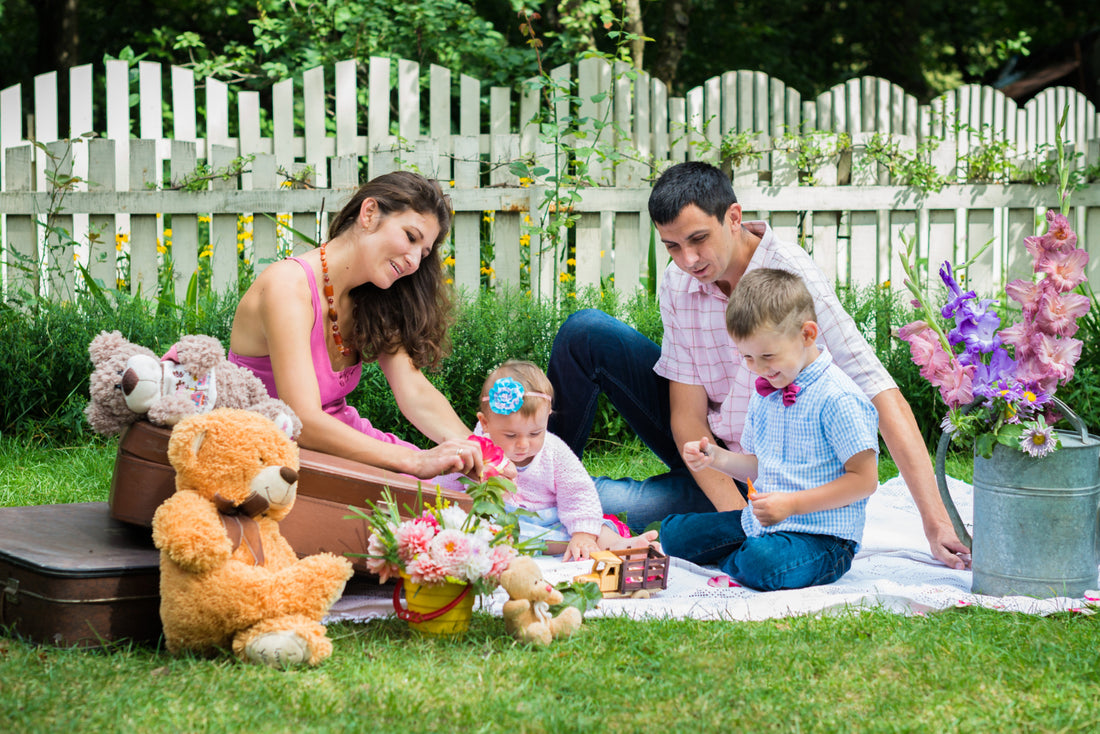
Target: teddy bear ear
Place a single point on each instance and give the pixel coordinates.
(104, 344)
(187, 438)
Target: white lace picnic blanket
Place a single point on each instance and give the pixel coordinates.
(894, 570)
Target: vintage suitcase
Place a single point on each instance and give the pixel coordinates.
(327, 485)
(73, 575)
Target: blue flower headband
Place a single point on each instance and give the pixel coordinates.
(506, 396)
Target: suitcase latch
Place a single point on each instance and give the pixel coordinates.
(11, 590)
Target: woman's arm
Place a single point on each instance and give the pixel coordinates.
(276, 316)
(419, 400)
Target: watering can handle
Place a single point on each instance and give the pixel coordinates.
(941, 481)
(1072, 418)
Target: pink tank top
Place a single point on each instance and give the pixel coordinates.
(334, 386)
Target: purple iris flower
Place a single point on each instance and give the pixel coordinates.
(976, 326)
(996, 378)
(958, 297)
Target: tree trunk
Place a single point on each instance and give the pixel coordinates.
(672, 40)
(634, 25)
(58, 40)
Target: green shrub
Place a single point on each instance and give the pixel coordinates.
(44, 364)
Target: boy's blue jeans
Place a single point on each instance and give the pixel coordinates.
(593, 353)
(782, 560)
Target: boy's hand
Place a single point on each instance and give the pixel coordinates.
(581, 546)
(771, 507)
(698, 455)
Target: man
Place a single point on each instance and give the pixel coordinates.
(694, 385)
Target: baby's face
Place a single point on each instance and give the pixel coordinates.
(519, 436)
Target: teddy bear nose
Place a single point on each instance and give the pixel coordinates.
(129, 381)
(289, 475)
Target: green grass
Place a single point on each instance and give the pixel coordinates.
(959, 670)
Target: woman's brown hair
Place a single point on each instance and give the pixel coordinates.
(415, 312)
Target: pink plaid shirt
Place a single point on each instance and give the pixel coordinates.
(697, 350)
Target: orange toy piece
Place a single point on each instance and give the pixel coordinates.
(752, 489)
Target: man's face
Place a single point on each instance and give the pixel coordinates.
(699, 243)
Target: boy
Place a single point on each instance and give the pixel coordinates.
(810, 442)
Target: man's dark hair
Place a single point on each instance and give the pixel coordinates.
(695, 183)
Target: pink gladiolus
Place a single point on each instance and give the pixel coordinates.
(1065, 271)
(1057, 313)
(1058, 355)
(957, 385)
(925, 348)
(1059, 236)
(1026, 294)
(1018, 336)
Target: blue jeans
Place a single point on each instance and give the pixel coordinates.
(782, 560)
(593, 353)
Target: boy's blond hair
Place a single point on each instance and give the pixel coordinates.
(528, 374)
(767, 298)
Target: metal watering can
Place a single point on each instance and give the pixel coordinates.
(1035, 519)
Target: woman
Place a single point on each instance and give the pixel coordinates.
(375, 289)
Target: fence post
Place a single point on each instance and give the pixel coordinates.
(59, 236)
(144, 231)
(20, 235)
(102, 255)
(185, 227)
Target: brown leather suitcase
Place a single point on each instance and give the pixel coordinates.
(74, 576)
(327, 485)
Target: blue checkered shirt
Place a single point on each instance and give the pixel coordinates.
(805, 445)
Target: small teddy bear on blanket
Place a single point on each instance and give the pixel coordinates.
(527, 611)
(130, 382)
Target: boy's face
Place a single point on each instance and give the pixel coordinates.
(519, 436)
(779, 356)
(700, 244)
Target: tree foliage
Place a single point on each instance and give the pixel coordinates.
(925, 46)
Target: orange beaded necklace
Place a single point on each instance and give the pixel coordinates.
(331, 298)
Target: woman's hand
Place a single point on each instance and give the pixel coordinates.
(453, 455)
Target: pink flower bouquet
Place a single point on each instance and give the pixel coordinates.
(999, 383)
(442, 543)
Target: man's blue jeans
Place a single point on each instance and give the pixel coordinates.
(782, 560)
(593, 353)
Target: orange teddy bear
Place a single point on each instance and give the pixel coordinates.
(228, 578)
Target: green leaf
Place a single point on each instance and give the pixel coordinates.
(984, 445)
(581, 595)
(519, 168)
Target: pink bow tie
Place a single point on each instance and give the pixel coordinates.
(765, 388)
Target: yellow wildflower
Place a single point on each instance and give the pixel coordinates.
(450, 261)
(204, 218)
(571, 262)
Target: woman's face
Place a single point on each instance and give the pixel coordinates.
(398, 242)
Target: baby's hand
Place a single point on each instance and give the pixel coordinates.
(581, 546)
(771, 507)
(698, 455)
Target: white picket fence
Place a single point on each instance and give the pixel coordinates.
(851, 222)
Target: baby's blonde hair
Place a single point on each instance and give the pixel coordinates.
(769, 298)
(528, 374)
